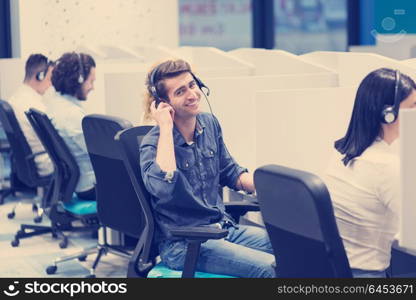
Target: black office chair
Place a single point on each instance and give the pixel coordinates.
(143, 262)
(299, 218)
(112, 186)
(63, 207)
(24, 176)
(4, 148)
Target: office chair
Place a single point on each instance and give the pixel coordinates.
(24, 176)
(63, 207)
(112, 184)
(4, 148)
(143, 262)
(299, 218)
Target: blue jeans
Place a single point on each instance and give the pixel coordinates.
(357, 273)
(245, 252)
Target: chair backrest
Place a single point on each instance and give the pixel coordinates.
(129, 142)
(66, 167)
(23, 162)
(298, 214)
(117, 204)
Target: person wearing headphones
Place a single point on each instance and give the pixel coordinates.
(363, 177)
(184, 161)
(37, 80)
(73, 79)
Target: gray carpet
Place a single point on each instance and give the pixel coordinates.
(35, 254)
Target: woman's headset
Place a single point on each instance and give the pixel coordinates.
(391, 112)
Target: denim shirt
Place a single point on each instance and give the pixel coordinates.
(191, 197)
(66, 115)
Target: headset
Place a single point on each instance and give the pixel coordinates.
(81, 78)
(391, 112)
(40, 76)
(153, 88)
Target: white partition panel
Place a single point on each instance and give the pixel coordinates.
(397, 46)
(212, 62)
(232, 101)
(12, 72)
(353, 67)
(273, 62)
(407, 237)
(124, 95)
(297, 128)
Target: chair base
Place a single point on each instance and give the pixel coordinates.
(57, 231)
(82, 255)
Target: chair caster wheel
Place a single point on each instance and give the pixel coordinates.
(38, 219)
(90, 276)
(51, 270)
(63, 244)
(11, 215)
(15, 243)
(82, 258)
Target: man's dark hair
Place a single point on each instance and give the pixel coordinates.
(67, 71)
(374, 93)
(35, 64)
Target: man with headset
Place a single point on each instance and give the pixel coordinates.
(37, 80)
(73, 78)
(183, 161)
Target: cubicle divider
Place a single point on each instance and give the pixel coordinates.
(407, 237)
(298, 128)
(278, 62)
(353, 67)
(12, 72)
(232, 101)
(213, 62)
(397, 46)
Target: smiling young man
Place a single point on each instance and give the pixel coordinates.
(183, 161)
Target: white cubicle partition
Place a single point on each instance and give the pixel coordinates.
(353, 67)
(212, 62)
(407, 237)
(12, 73)
(109, 52)
(396, 46)
(297, 128)
(153, 54)
(232, 101)
(124, 93)
(276, 62)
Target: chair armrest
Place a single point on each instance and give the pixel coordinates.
(34, 155)
(241, 206)
(198, 233)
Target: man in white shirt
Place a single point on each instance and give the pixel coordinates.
(73, 79)
(37, 80)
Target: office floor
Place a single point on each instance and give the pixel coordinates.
(35, 254)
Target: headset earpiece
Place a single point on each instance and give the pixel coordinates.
(41, 76)
(81, 70)
(390, 112)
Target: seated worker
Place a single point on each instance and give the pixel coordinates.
(37, 80)
(184, 161)
(363, 177)
(73, 78)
